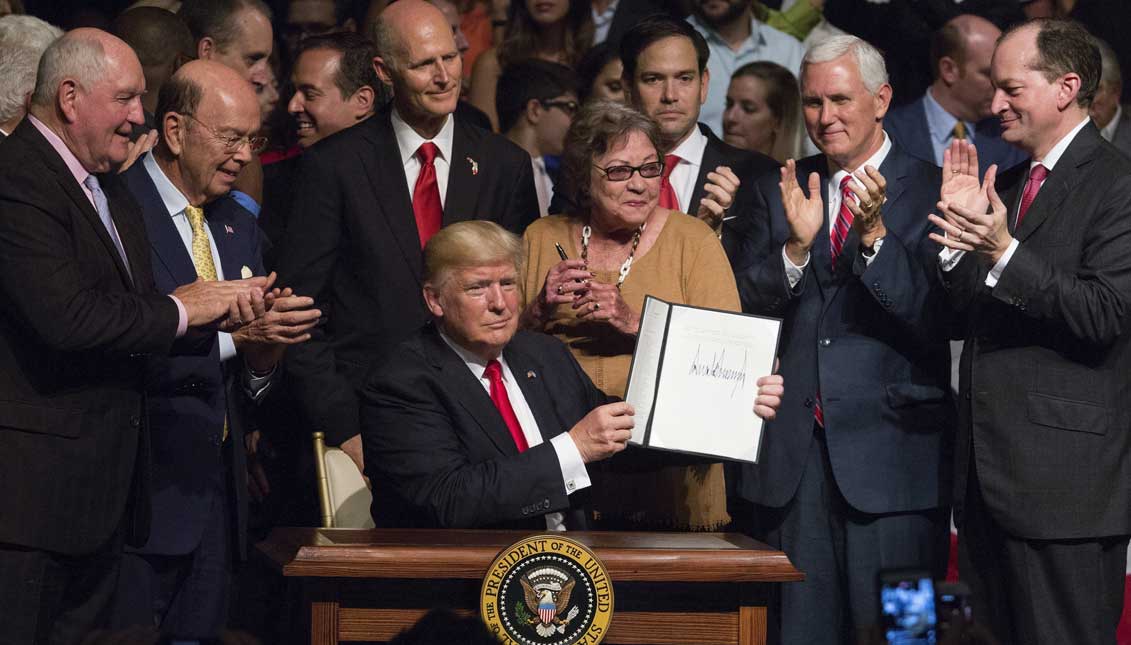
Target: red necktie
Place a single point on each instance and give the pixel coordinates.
(843, 220)
(494, 374)
(426, 194)
(1036, 178)
(667, 193)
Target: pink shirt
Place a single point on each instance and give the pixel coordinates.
(80, 173)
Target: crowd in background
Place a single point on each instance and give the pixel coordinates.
(634, 146)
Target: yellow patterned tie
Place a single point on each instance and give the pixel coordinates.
(202, 258)
(959, 131)
(201, 249)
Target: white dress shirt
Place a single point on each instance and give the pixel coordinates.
(949, 258)
(683, 176)
(543, 185)
(574, 474)
(834, 198)
(175, 203)
(408, 142)
(603, 21)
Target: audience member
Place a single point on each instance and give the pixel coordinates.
(1042, 278)
(81, 315)
(22, 42)
(735, 37)
(368, 199)
(237, 33)
(536, 103)
(612, 18)
(451, 14)
(1106, 111)
(306, 18)
(601, 75)
(559, 31)
(178, 579)
(623, 244)
(473, 423)
(764, 111)
(852, 477)
(11, 7)
(162, 43)
(957, 104)
(665, 67)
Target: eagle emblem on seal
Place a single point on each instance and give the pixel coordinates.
(546, 592)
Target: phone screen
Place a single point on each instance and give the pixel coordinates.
(907, 610)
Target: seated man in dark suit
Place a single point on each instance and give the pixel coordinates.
(367, 201)
(957, 104)
(470, 424)
(208, 115)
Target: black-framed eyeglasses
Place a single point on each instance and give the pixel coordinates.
(569, 107)
(650, 170)
(232, 144)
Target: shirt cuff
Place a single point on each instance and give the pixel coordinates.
(256, 385)
(569, 460)
(949, 258)
(793, 273)
(876, 246)
(995, 273)
(227, 346)
(182, 317)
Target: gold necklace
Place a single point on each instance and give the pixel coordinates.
(624, 268)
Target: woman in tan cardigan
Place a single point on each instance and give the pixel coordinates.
(623, 246)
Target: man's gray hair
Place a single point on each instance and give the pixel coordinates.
(23, 40)
(82, 58)
(387, 42)
(869, 61)
(1110, 74)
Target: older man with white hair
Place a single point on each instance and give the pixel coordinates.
(22, 41)
(853, 476)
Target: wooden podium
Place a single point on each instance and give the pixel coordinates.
(669, 588)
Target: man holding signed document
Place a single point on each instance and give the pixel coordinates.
(852, 477)
(473, 423)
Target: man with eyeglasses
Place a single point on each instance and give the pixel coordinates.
(536, 101)
(208, 115)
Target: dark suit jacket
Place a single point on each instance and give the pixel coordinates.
(353, 245)
(1045, 383)
(437, 450)
(189, 396)
(869, 338)
(907, 126)
(630, 12)
(73, 328)
(1122, 139)
(747, 165)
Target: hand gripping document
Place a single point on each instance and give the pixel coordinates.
(693, 379)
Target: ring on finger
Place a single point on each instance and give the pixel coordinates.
(560, 289)
(596, 306)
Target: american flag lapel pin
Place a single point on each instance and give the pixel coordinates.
(229, 230)
(474, 166)
(530, 374)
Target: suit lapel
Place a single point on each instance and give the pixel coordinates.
(1059, 183)
(531, 380)
(920, 145)
(222, 228)
(164, 238)
(474, 399)
(385, 172)
(711, 160)
(463, 178)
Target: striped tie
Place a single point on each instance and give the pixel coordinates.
(843, 220)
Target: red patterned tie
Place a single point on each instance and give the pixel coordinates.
(667, 193)
(494, 374)
(426, 194)
(843, 220)
(1036, 178)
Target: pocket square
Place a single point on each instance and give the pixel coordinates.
(245, 272)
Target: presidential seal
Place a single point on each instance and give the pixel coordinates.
(547, 590)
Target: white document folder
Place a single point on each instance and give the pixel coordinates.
(694, 377)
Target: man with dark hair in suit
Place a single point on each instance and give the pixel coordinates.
(371, 196)
(957, 104)
(178, 579)
(471, 423)
(1036, 261)
(81, 314)
(853, 475)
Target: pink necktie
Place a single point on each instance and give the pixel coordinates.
(494, 374)
(1032, 186)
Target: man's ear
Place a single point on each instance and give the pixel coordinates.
(533, 111)
(883, 101)
(173, 133)
(948, 70)
(382, 70)
(432, 300)
(704, 85)
(362, 101)
(66, 98)
(1068, 90)
(205, 48)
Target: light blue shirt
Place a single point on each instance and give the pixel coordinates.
(764, 43)
(603, 21)
(941, 125)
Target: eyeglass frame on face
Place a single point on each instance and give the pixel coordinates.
(256, 144)
(569, 107)
(632, 170)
